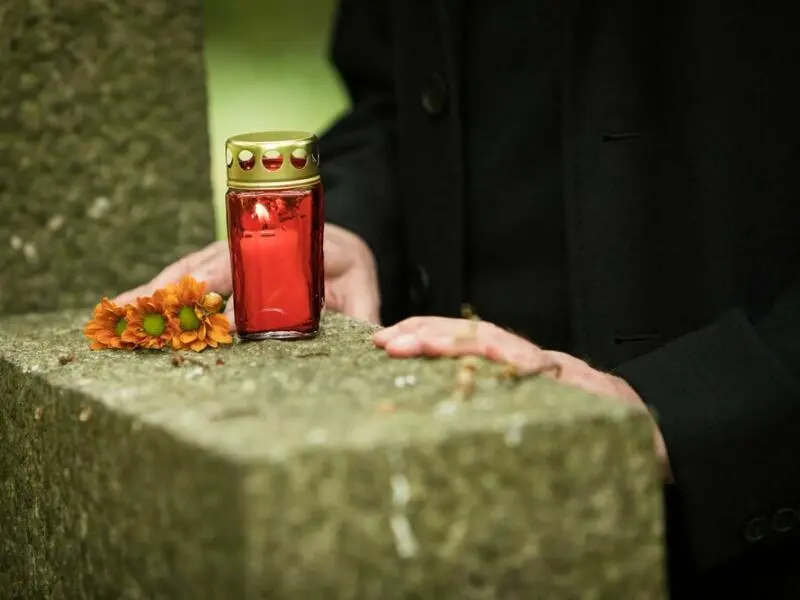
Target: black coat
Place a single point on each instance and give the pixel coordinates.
(680, 160)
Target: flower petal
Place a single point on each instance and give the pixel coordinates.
(187, 337)
(220, 336)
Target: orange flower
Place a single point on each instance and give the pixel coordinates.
(107, 327)
(196, 314)
(149, 322)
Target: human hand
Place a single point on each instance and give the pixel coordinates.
(351, 281)
(210, 264)
(439, 336)
(351, 276)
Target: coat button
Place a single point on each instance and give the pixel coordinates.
(785, 520)
(419, 289)
(756, 530)
(434, 94)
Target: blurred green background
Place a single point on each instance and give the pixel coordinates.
(267, 69)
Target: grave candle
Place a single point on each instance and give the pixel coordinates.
(275, 217)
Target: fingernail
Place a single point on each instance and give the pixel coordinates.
(404, 342)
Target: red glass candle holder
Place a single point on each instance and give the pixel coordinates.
(275, 215)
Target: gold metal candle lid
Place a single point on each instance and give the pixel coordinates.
(271, 159)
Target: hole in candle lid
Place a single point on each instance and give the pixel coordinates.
(228, 157)
(246, 160)
(299, 158)
(272, 160)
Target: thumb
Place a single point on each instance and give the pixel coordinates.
(230, 314)
(360, 298)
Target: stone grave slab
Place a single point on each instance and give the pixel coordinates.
(317, 469)
(104, 157)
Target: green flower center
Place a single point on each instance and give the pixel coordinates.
(121, 326)
(154, 324)
(188, 319)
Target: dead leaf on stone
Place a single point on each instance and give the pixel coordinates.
(220, 362)
(65, 359)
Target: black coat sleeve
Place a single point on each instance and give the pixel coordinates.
(727, 399)
(357, 152)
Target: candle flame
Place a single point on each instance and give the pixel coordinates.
(261, 213)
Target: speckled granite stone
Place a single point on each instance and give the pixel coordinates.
(104, 165)
(317, 469)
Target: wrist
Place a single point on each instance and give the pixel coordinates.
(659, 444)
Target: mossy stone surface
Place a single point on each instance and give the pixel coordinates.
(104, 160)
(316, 469)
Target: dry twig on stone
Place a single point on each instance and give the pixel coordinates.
(178, 360)
(467, 365)
(512, 373)
(311, 354)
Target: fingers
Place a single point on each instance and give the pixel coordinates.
(211, 264)
(361, 298)
(357, 300)
(440, 336)
(230, 314)
(355, 295)
(362, 307)
(453, 336)
(409, 345)
(351, 280)
(132, 295)
(416, 325)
